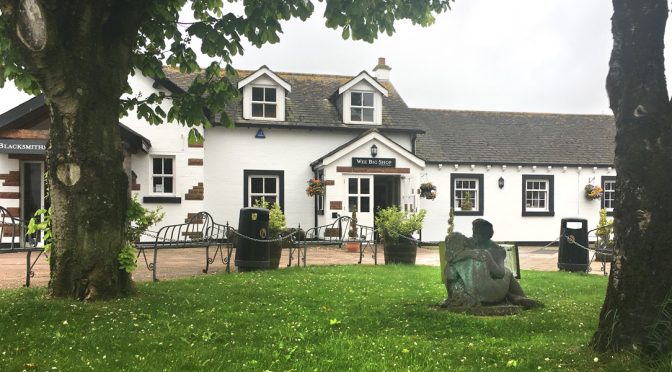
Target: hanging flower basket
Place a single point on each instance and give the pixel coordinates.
(428, 191)
(315, 187)
(593, 192)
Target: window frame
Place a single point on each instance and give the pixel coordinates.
(361, 107)
(280, 187)
(264, 103)
(359, 195)
(479, 199)
(604, 181)
(153, 175)
(550, 193)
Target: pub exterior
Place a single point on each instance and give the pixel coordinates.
(523, 172)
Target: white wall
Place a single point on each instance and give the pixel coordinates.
(169, 139)
(503, 207)
(231, 151)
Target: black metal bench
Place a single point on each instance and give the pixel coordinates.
(336, 233)
(13, 239)
(200, 231)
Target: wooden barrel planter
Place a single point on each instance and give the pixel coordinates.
(275, 250)
(401, 252)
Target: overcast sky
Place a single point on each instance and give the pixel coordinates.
(518, 55)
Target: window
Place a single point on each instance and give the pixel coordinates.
(163, 175)
(361, 107)
(609, 195)
(538, 195)
(263, 184)
(359, 194)
(465, 186)
(264, 103)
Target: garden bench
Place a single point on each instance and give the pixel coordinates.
(336, 233)
(15, 240)
(199, 231)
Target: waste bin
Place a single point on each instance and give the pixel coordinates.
(252, 254)
(571, 256)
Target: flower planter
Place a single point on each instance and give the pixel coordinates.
(401, 252)
(275, 252)
(352, 246)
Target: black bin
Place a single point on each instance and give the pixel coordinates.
(250, 254)
(572, 257)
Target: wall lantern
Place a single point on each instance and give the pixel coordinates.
(374, 150)
(500, 182)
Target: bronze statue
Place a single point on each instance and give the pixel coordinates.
(476, 274)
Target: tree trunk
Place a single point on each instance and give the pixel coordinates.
(637, 309)
(82, 67)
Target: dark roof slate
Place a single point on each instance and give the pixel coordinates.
(482, 137)
(313, 103)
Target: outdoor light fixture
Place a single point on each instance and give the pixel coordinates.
(374, 150)
(500, 182)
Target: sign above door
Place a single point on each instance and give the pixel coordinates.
(374, 162)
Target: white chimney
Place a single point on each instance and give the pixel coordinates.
(382, 71)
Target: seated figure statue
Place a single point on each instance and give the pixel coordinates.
(475, 271)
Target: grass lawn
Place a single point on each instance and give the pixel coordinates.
(315, 318)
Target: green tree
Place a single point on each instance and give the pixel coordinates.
(79, 53)
(637, 311)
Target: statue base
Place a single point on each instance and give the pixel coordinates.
(504, 309)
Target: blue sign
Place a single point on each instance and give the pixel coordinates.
(260, 134)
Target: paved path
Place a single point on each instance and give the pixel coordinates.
(189, 262)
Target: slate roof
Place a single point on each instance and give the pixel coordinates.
(312, 103)
(481, 137)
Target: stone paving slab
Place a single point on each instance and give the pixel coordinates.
(180, 263)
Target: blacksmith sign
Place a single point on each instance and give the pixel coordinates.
(374, 162)
(20, 146)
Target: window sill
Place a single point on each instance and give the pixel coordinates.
(162, 199)
(468, 213)
(538, 214)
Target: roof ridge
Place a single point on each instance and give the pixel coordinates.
(175, 69)
(507, 112)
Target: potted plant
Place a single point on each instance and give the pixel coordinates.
(315, 187)
(467, 203)
(604, 244)
(428, 191)
(396, 229)
(593, 192)
(353, 244)
(277, 226)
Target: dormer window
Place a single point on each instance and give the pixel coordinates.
(264, 95)
(264, 103)
(361, 100)
(361, 107)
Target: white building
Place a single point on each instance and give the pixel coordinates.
(524, 172)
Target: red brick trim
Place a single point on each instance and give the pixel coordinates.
(10, 195)
(28, 157)
(193, 161)
(336, 205)
(329, 182)
(195, 193)
(198, 221)
(13, 178)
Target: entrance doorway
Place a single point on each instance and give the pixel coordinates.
(32, 188)
(386, 191)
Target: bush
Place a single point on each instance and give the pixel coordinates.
(392, 223)
(277, 224)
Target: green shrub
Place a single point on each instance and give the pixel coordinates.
(392, 223)
(277, 224)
